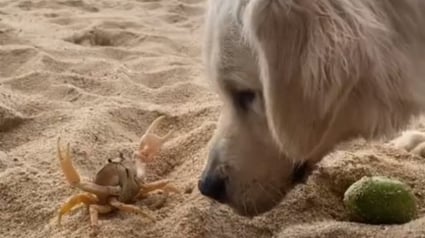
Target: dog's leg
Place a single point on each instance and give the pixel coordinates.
(412, 141)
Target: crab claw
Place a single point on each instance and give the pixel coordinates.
(68, 169)
(150, 143)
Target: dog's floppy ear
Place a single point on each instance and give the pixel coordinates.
(309, 65)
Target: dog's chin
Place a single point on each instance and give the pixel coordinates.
(252, 210)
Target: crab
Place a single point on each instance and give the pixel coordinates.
(118, 184)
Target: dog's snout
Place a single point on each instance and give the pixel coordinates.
(213, 186)
(213, 183)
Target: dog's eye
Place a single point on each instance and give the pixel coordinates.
(244, 99)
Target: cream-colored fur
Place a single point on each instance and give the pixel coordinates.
(322, 72)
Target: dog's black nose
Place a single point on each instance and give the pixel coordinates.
(213, 187)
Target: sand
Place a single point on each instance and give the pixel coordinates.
(97, 73)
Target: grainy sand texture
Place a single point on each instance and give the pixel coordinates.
(97, 73)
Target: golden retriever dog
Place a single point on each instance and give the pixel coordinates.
(297, 78)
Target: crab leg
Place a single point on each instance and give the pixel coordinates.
(161, 185)
(157, 185)
(94, 210)
(150, 143)
(128, 208)
(73, 178)
(73, 201)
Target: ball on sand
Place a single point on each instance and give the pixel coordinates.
(380, 200)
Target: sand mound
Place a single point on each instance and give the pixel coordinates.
(97, 73)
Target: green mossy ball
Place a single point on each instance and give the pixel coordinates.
(380, 200)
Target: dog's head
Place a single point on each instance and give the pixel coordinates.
(246, 168)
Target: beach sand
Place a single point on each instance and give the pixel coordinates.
(97, 73)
